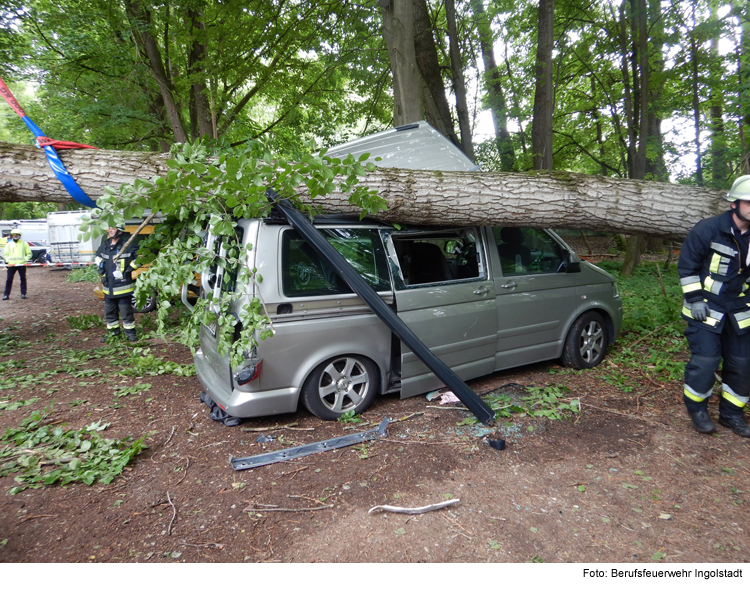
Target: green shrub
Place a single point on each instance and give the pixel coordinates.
(88, 274)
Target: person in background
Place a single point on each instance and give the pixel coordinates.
(714, 269)
(118, 283)
(17, 254)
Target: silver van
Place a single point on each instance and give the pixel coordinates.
(482, 299)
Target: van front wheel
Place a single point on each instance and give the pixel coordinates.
(339, 385)
(586, 343)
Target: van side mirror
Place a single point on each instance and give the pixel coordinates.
(571, 263)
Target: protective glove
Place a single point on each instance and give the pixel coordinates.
(699, 310)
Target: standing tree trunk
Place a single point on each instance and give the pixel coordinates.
(719, 172)
(742, 12)
(437, 111)
(418, 89)
(459, 84)
(495, 96)
(696, 101)
(541, 129)
(640, 60)
(200, 110)
(398, 32)
(140, 21)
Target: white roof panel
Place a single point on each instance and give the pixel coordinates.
(417, 146)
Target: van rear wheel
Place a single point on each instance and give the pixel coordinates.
(339, 385)
(149, 306)
(587, 342)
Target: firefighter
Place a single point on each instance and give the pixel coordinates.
(118, 283)
(16, 254)
(714, 267)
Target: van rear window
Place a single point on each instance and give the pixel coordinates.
(304, 273)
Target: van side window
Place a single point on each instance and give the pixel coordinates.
(227, 276)
(437, 258)
(527, 251)
(304, 273)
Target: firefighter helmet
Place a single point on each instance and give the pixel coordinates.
(740, 189)
(15, 232)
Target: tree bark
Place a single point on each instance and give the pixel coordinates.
(537, 199)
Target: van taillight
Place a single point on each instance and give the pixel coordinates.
(249, 373)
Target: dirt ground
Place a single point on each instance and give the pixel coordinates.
(626, 481)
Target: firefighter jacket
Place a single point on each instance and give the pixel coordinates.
(713, 267)
(117, 278)
(16, 253)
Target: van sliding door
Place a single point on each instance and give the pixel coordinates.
(446, 297)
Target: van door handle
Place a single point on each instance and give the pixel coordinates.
(510, 285)
(481, 291)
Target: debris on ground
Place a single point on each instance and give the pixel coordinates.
(415, 510)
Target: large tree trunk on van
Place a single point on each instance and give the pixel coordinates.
(540, 199)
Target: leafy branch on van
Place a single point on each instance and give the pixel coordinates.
(211, 186)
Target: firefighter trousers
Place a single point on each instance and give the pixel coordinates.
(707, 351)
(116, 309)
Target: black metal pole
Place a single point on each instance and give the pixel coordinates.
(354, 280)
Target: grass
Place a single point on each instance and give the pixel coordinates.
(652, 329)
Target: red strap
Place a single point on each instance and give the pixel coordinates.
(8, 96)
(61, 144)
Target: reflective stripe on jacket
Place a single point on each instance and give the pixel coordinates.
(117, 288)
(713, 267)
(16, 253)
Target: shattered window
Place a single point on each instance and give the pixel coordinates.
(305, 273)
(439, 257)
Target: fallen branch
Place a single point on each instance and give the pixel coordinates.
(30, 517)
(415, 510)
(174, 516)
(290, 426)
(169, 438)
(187, 465)
(282, 509)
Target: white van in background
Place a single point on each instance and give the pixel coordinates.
(65, 247)
(33, 232)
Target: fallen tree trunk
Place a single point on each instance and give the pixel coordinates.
(536, 199)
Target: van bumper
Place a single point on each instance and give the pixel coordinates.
(239, 403)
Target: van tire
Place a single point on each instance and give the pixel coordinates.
(587, 342)
(149, 306)
(356, 379)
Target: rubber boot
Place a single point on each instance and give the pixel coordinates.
(733, 417)
(111, 334)
(131, 336)
(698, 412)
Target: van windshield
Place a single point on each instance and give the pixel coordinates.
(304, 273)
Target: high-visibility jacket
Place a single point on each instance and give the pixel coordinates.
(16, 253)
(124, 285)
(714, 266)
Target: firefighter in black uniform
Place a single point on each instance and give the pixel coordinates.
(118, 283)
(714, 268)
